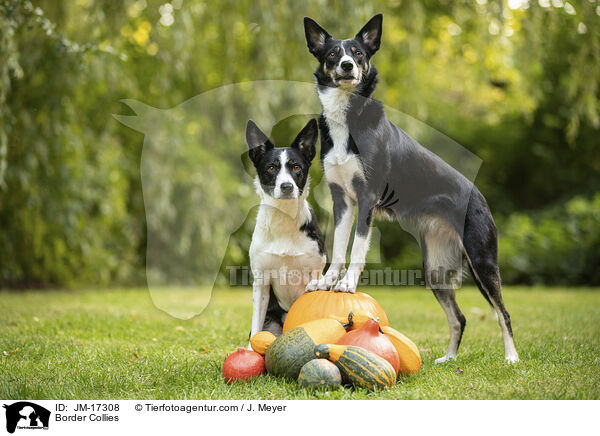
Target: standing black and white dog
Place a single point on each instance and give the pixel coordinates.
(287, 248)
(371, 163)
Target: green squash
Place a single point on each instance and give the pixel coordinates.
(360, 367)
(319, 373)
(290, 351)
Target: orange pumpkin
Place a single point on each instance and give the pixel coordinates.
(323, 304)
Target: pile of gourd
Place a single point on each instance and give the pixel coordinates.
(330, 339)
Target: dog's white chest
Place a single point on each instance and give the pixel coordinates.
(284, 254)
(291, 245)
(343, 174)
(340, 166)
(335, 104)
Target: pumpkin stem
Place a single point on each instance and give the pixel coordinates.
(350, 322)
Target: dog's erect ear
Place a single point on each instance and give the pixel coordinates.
(306, 140)
(258, 142)
(316, 36)
(370, 34)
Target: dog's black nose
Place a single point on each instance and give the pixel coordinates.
(286, 188)
(347, 66)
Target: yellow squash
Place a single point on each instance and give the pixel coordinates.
(410, 359)
(261, 341)
(323, 330)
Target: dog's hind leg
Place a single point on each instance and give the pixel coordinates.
(486, 274)
(442, 260)
(456, 321)
(481, 250)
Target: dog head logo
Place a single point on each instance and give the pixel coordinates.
(26, 415)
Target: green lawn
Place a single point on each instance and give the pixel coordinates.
(114, 344)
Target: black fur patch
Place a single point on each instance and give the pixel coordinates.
(312, 230)
(326, 141)
(340, 206)
(387, 200)
(275, 315)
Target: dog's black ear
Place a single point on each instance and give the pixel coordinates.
(258, 142)
(316, 36)
(306, 140)
(370, 34)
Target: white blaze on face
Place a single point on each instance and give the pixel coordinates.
(346, 58)
(284, 176)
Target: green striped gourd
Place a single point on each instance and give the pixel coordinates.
(361, 367)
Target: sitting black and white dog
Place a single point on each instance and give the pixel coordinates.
(371, 163)
(287, 248)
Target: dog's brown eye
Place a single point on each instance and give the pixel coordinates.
(359, 53)
(297, 168)
(332, 53)
(271, 169)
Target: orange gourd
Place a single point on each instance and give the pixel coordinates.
(324, 304)
(370, 337)
(261, 341)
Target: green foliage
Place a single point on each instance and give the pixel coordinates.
(516, 86)
(559, 245)
(63, 206)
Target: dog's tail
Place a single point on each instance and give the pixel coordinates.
(482, 288)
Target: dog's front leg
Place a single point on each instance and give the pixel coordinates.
(360, 247)
(343, 217)
(260, 302)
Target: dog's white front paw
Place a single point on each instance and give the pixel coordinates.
(344, 286)
(511, 358)
(324, 283)
(348, 283)
(312, 285)
(445, 358)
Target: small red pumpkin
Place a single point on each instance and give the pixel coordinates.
(370, 337)
(243, 364)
